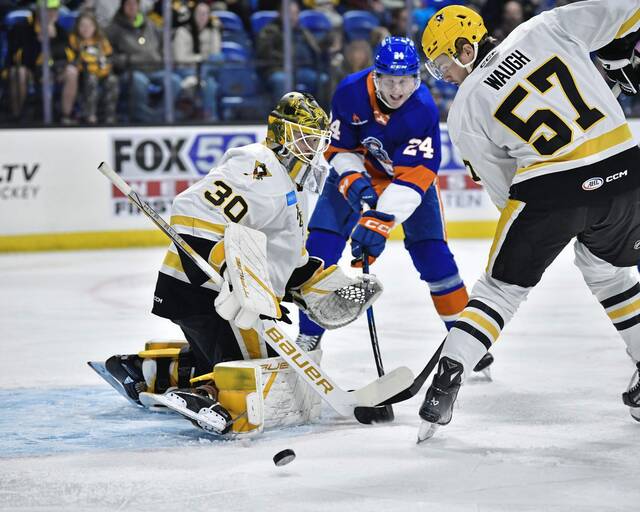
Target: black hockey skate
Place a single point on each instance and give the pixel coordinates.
(437, 407)
(199, 405)
(124, 374)
(631, 396)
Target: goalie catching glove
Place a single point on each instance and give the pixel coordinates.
(328, 296)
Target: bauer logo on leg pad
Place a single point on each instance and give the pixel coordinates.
(299, 359)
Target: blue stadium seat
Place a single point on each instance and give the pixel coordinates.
(230, 20)
(240, 92)
(234, 52)
(67, 19)
(359, 24)
(261, 18)
(316, 22)
(232, 28)
(15, 17)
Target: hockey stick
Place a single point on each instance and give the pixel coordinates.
(343, 402)
(380, 414)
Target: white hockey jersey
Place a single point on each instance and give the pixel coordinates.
(250, 187)
(536, 120)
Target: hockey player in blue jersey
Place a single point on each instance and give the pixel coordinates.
(385, 154)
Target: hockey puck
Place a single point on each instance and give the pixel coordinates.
(284, 457)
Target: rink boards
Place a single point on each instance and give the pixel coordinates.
(52, 197)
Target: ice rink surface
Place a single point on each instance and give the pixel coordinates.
(549, 434)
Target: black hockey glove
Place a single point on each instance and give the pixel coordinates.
(620, 60)
(624, 73)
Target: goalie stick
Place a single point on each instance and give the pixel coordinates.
(343, 402)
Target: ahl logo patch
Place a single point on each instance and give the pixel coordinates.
(592, 184)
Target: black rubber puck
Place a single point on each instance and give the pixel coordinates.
(284, 457)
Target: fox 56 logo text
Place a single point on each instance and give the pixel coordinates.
(161, 167)
(144, 156)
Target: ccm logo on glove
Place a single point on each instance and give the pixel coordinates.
(384, 228)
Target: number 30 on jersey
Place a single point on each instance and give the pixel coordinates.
(235, 207)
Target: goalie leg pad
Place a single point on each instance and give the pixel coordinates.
(239, 385)
(265, 393)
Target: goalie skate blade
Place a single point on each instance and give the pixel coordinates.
(426, 431)
(101, 370)
(174, 405)
(372, 415)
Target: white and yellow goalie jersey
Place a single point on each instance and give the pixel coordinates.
(535, 121)
(249, 187)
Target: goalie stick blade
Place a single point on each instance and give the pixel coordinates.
(371, 415)
(384, 388)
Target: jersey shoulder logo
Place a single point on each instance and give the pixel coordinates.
(260, 171)
(356, 121)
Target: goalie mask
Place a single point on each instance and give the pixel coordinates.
(443, 31)
(298, 133)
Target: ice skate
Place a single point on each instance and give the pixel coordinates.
(308, 342)
(631, 396)
(437, 407)
(124, 374)
(198, 405)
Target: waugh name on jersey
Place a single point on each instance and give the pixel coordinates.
(506, 69)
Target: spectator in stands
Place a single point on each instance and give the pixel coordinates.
(357, 56)
(308, 56)
(198, 46)
(25, 53)
(89, 56)
(137, 49)
(400, 24)
(105, 10)
(377, 36)
(512, 16)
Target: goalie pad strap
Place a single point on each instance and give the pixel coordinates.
(162, 374)
(185, 365)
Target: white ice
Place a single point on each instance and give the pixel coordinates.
(549, 434)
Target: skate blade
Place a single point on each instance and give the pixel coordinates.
(175, 404)
(100, 369)
(486, 374)
(635, 413)
(426, 431)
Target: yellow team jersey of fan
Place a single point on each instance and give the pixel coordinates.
(536, 105)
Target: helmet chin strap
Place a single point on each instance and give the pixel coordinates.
(469, 65)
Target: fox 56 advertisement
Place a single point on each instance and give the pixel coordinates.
(49, 182)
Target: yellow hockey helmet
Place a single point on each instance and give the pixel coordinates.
(447, 26)
(298, 132)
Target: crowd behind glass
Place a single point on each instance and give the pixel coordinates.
(203, 61)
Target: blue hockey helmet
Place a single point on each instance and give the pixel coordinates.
(397, 56)
(396, 71)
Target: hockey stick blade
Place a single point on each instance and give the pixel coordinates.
(343, 402)
(418, 382)
(378, 414)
